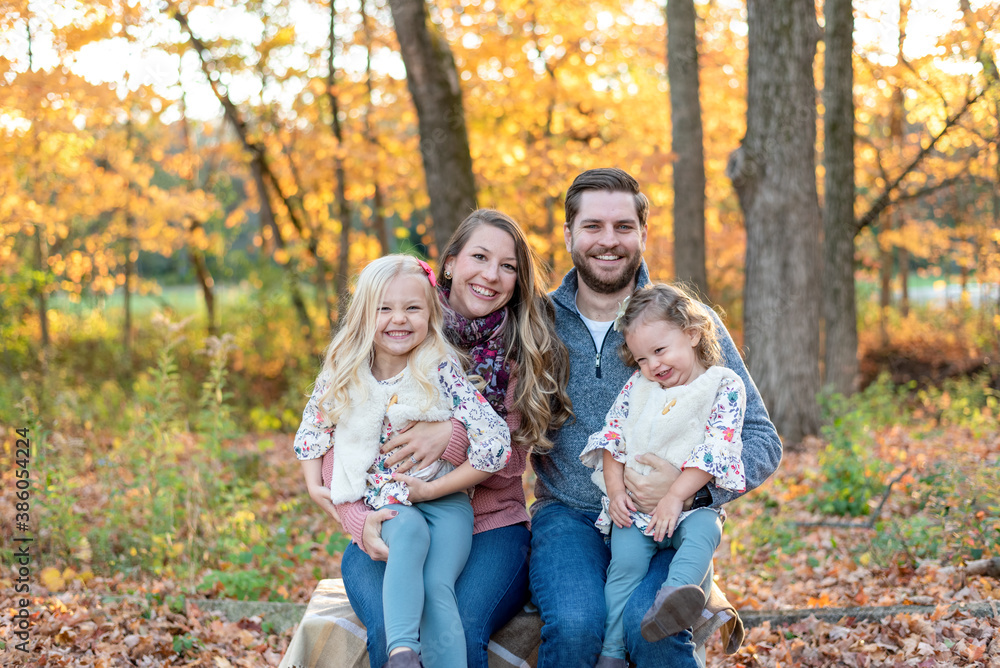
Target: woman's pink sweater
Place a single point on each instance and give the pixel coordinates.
(497, 502)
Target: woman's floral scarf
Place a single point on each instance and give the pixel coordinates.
(482, 339)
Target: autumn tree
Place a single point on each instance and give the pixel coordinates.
(774, 173)
(923, 130)
(265, 178)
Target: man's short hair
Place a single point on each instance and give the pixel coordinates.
(609, 179)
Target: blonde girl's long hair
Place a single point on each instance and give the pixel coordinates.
(352, 349)
(540, 358)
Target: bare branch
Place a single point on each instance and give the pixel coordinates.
(870, 524)
(884, 200)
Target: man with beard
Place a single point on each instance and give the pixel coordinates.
(605, 233)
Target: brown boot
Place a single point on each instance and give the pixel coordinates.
(674, 609)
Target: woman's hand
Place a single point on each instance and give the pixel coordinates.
(420, 490)
(647, 490)
(371, 536)
(665, 516)
(417, 445)
(620, 508)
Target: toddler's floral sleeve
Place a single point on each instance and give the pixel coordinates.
(610, 436)
(721, 452)
(489, 437)
(315, 434)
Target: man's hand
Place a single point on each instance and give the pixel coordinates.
(417, 445)
(620, 508)
(665, 516)
(647, 490)
(372, 542)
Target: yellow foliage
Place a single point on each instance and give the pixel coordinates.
(51, 579)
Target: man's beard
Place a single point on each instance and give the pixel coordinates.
(606, 286)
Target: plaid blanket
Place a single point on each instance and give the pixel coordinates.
(330, 635)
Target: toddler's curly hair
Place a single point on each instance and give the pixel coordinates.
(677, 306)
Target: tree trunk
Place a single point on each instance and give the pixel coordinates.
(433, 82)
(885, 262)
(41, 297)
(129, 250)
(343, 275)
(378, 199)
(129, 273)
(205, 280)
(904, 282)
(774, 173)
(686, 142)
(840, 317)
(204, 276)
(267, 219)
(41, 255)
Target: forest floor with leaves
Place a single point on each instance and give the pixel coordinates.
(941, 512)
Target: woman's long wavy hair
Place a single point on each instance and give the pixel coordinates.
(353, 346)
(540, 358)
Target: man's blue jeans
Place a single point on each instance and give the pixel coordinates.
(569, 561)
(491, 590)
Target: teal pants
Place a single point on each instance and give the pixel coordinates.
(695, 540)
(429, 543)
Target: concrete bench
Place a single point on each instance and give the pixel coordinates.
(330, 635)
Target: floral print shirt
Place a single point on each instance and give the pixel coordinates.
(489, 438)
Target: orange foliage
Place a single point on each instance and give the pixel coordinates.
(549, 90)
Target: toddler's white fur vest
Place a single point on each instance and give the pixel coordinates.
(356, 437)
(674, 434)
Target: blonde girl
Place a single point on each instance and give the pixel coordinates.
(683, 407)
(387, 366)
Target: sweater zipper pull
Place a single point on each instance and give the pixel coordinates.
(597, 364)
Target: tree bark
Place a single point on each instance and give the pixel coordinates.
(41, 296)
(205, 280)
(343, 275)
(904, 281)
(840, 318)
(433, 82)
(378, 199)
(774, 173)
(129, 273)
(204, 276)
(687, 144)
(885, 262)
(41, 254)
(129, 250)
(268, 220)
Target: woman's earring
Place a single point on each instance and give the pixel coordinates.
(447, 274)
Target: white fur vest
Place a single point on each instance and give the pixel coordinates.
(356, 437)
(669, 423)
